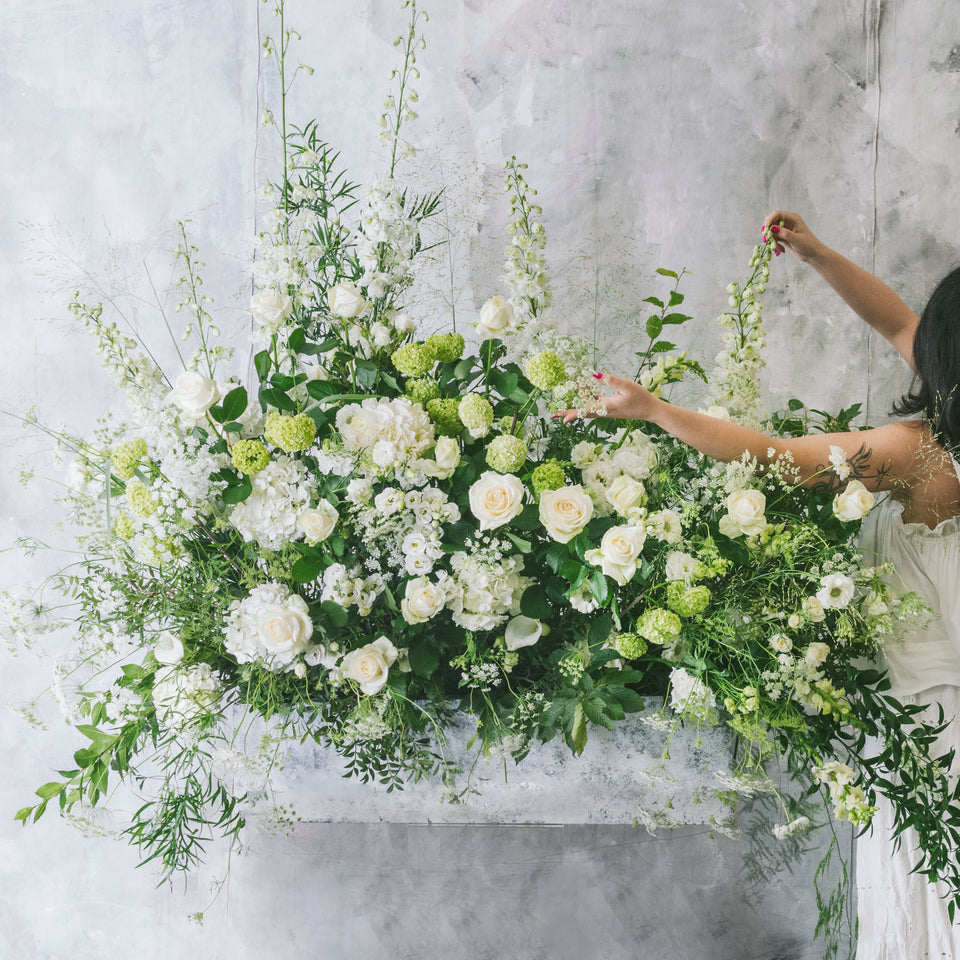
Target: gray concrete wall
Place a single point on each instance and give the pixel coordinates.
(677, 125)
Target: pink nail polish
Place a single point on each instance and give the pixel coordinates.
(598, 376)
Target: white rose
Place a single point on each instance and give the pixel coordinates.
(817, 652)
(168, 649)
(626, 495)
(496, 498)
(381, 334)
(446, 459)
(370, 665)
(522, 632)
(718, 413)
(812, 609)
(854, 503)
(565, 512)
(194, 394)
(317, 523)
(284, 628)
(404, 324)
(270, 309)
(744, 514)
(496, 318)
(619, 552)
(422, 600)
(345, 300)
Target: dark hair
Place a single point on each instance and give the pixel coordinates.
(936, 362)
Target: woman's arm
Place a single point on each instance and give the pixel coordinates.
(868, 297)
(886, 458)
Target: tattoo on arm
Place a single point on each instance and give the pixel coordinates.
(860, 469)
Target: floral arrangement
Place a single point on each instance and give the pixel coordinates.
(388, 526)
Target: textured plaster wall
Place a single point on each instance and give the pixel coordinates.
(676, 125)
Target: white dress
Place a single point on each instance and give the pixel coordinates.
(902, 915)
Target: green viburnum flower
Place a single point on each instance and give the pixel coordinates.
(124, 527)
(506, 453)
(249, 456)
(126, 456)
(139, 498)
(506, 424)
(545, 370)
(659, 626)
(422, 391)
(414, 359)
(476, 414)
(630, 646)
(446, 346)
(547, 476)
(687, 601)
(289, 433)
(445, 417)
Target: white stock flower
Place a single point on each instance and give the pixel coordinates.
(854, 503)
(168, 649)
(745, 514)
(317, 523)
(194, 394)
(836, 591)
(370, 665)
(522, 631)
(270, 308)
(838, 461)
(271, 626)
(184, 696)
(565, 512)
(345, 300)
(497, 318)
(496, 498)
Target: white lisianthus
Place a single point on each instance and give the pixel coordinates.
(745, 514)
(665, 525)
(854, 503)
(446, 459)
(497, 319)
(626, 495)
(270, 309)
(345, 300)
(422, 600)
(194, 394)
(781, 643)
(168, 649)
(565, 512)
(317, 523)
(683, 566)
(817, 652)
(370, 665)
(522, 631)
(271, 626)
(496, 498)
(359, 491)
(836, 591)
(619, 553)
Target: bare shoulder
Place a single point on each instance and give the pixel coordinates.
(931, 491)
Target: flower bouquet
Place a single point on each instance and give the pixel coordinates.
(387, 527)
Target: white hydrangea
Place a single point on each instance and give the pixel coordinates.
(691, 697)
(281, 492)
(486, 588)
(399, 422)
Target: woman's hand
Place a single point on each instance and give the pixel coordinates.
(789, 232)
(629, 401)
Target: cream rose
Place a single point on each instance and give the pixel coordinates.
(285, 628)
(497, 318)
(271, 626)
(744, 514)
(317, 523)
(370, 665)
(854, 503)
(422, 600)
(168, 649)
(626, 495)
(270, 309)
(565, 512)
(496, 498)
(817, 652)
(345, 300)
(194, 394)
(619, 552)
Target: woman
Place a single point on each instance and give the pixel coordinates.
(902, 915)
